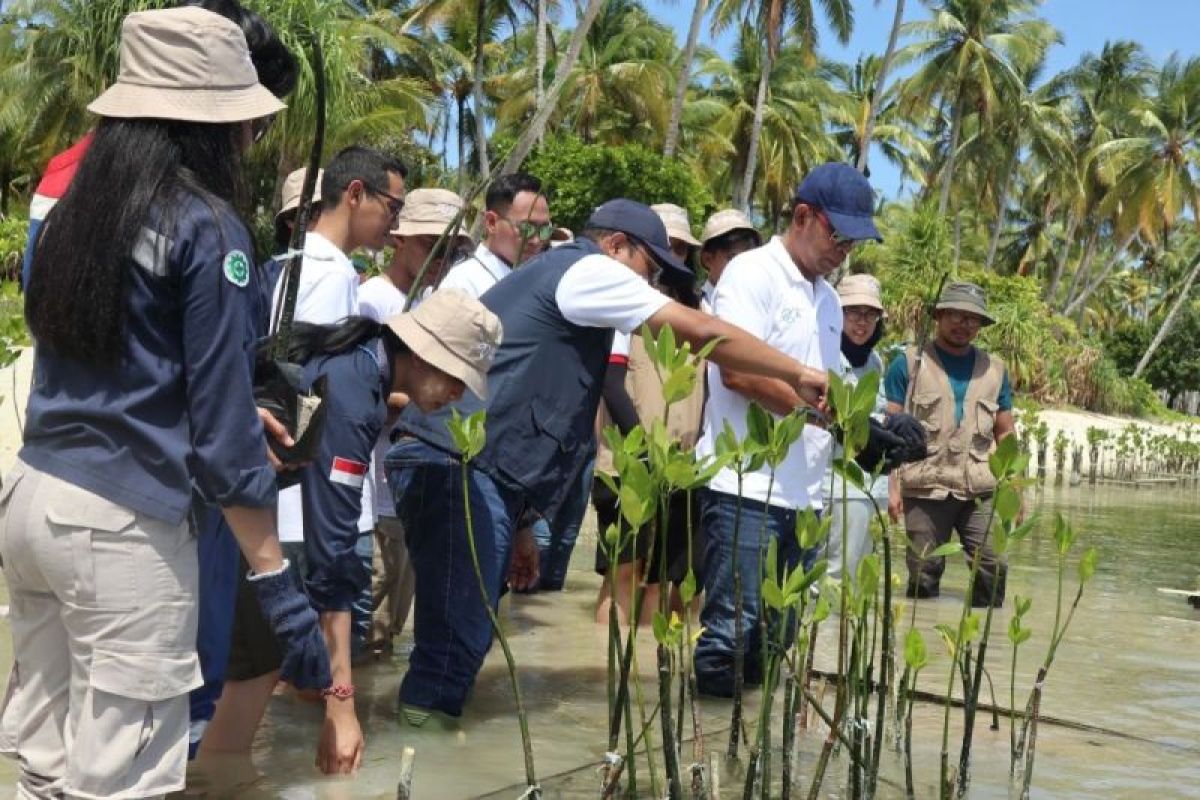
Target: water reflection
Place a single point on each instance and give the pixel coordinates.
(1129, 665)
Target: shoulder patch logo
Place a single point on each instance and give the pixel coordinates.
(237, 268)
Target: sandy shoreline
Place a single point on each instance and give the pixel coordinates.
(1072, 422)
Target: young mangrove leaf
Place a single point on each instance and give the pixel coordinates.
(759, 424)
(661, 628)
(687, 589)
(772, 595)
(1017, 634)
(1064, 534)
(947, 549)
(1008, 502)
(679, 383)
(706, 351)
(915, 654)
(851, 472)
(1087, 565)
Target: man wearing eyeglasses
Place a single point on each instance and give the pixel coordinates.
(962, 397)
(777, 292)
(516, 227)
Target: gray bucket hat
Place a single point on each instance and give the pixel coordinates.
(964, 296)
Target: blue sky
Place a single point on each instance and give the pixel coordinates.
(1161, 26)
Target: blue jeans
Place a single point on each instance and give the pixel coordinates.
(451, 629)
(717, 644)
(556, 538)
(217, 555)
(363, 607)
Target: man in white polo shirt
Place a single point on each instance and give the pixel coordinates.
(516, 227)
(778, 293)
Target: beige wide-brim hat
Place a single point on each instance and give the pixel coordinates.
(860, 290)
(455, 333)
(293, 185)
(724, 221)
(675, 220)
(429, 212)
(185, 64)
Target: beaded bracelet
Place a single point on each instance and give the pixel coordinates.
(342, 691)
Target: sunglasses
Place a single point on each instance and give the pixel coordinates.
(836, 238)
(394, 204)
(528, 230)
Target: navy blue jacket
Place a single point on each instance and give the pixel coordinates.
(544, 386)
(177, 411)
(355, 413)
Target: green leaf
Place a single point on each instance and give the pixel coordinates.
(1001, 461)
(771, 562)
(1008, 502)
(1022, 530)
(1064, 534)
(865, 393)
(706, 351)
(851, 472)
(1087, 565)
(612, 537)
(867, 579)
(947, 549)
(1017, 634)
(662, 628)
(970, 627)
(687, 589)
(758, 425)
(915, 654)
(679, 384)
(1021, 605)
(649, 342)
(772, 595)
(680, 472)
(1000, 539)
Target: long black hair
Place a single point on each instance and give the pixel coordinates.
(309, 340)
(77, 296)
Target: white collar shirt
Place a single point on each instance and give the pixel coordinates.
(483, 270)
(763, 292)
(328, 284)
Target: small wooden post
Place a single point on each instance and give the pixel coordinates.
(404, 788)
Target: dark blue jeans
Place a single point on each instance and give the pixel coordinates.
(451, 628)
(717, 644)
(556, 538)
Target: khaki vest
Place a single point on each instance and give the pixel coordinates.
(958, 454)
(645, 390)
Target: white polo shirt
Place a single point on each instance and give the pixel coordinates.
(763, 292)
(477, 274)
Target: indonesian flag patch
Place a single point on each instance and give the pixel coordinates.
(347, 472)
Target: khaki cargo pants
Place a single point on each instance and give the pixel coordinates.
(392, 582)
(103, 616)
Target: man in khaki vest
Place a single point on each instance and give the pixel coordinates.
(961, 395)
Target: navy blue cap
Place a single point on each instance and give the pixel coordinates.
(845, 196)
(637, 220)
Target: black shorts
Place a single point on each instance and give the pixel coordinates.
(254, 651)
(607, 514)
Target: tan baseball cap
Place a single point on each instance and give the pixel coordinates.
(429, 212)
(185, 64)
(292, 186)
(455, 333)
(675, 220)
(724, 221)
(860, 290)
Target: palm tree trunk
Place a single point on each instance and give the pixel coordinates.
(462, 144)
(1085, 263)
(539, 90)
(481, 153)
(880, 79)
(1052, 286)
(537, 125)
(685, 74)
(1165, 328)
(743, 198)
(1001, 201)
(1077, 303)
(955, 133)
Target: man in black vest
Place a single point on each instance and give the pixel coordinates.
(558, 312)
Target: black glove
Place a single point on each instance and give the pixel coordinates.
(899, 440)
(297, 626)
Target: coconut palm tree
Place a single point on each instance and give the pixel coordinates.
(683, 77)
(777, 19)
(858, 114)
(881, 76)
(969, 52)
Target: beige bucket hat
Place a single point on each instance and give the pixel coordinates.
(185, 64)
(293, 184)
(428, 212)
(860, 290)
(455, 333)
(675, 220)
(724, 221)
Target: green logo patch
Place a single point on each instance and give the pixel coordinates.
(237, 268)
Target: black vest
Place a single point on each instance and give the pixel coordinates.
(544, 386)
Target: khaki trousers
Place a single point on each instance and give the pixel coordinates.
(930, 523)
(392, 582)
(103, 616)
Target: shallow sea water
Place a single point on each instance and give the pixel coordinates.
(1129, 666)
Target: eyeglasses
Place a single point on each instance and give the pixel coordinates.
(838, 240)
(655, 270)
(962, 318)
(862, 314)
(528, 230)
(394, 204)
